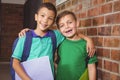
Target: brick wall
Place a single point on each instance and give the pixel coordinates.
(12, 23)
(100, 20)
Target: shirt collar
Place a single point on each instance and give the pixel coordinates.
(35, 35)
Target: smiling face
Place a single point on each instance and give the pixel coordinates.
(68, 26)
(44, 18)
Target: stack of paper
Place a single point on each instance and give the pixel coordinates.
(37, 69)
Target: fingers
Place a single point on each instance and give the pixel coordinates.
(26, 29)
(91, 52)
(21, 33)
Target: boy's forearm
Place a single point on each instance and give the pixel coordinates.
(88, 39)
(92, 71)
(19, 70)
(90, 47)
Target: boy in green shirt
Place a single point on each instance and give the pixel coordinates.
(72, 51)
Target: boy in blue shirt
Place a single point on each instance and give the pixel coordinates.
(41, 42)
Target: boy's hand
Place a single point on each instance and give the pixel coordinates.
(90, 48)
(23, 32)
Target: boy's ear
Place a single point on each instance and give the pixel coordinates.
(77, 23)
(35, 17)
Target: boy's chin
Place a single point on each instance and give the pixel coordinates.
(68, 36)
(44, 29)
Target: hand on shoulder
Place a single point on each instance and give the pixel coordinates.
(23, 32)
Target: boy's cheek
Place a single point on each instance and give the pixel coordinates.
(60, 30)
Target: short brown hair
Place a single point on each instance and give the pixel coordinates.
(62, 14)
(47, 5)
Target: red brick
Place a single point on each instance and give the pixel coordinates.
(112, 19)
(93, 12)
(78, 7)
(99, 73)
(100, 63)
(98, 21)
(101, 1)
(97, 2)
(99, 41)
(109, 19)
(106, 31)
(101, 52)
(83, 15)
(88, 22)
(85, 23)
(107, 65)
(94, 2)
(6, 52)
(112, 42)
(63, 6)
(116, 18)
(115, 67)
(4, 59)
(68, 3)
(58, 8)
(107, 8)
(110, 66)
(117, 6)
(74, 2)
(91, 31)
(83, 31)
(95, 40)
(115, 55)
(116, 30)
(106, 53)
(80, 22)
(105, 76)
(114, 77)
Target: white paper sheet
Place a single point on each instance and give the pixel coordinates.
(37, 69)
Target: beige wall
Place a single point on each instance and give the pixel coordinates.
(13, 1)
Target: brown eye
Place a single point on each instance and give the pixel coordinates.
(69, 22)
(42, 15)
(51, 18)
(60, 26)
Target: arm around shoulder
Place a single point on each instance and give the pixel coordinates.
(22, 32)
(90, 45)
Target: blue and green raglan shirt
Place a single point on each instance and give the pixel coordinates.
(41, 46)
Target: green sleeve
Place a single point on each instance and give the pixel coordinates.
(93, 59)
(59, 37)
(17, 53)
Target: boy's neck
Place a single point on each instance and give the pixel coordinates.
(74, 38)
(40, 33)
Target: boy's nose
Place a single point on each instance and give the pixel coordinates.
(66, 26)
(45, 20)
